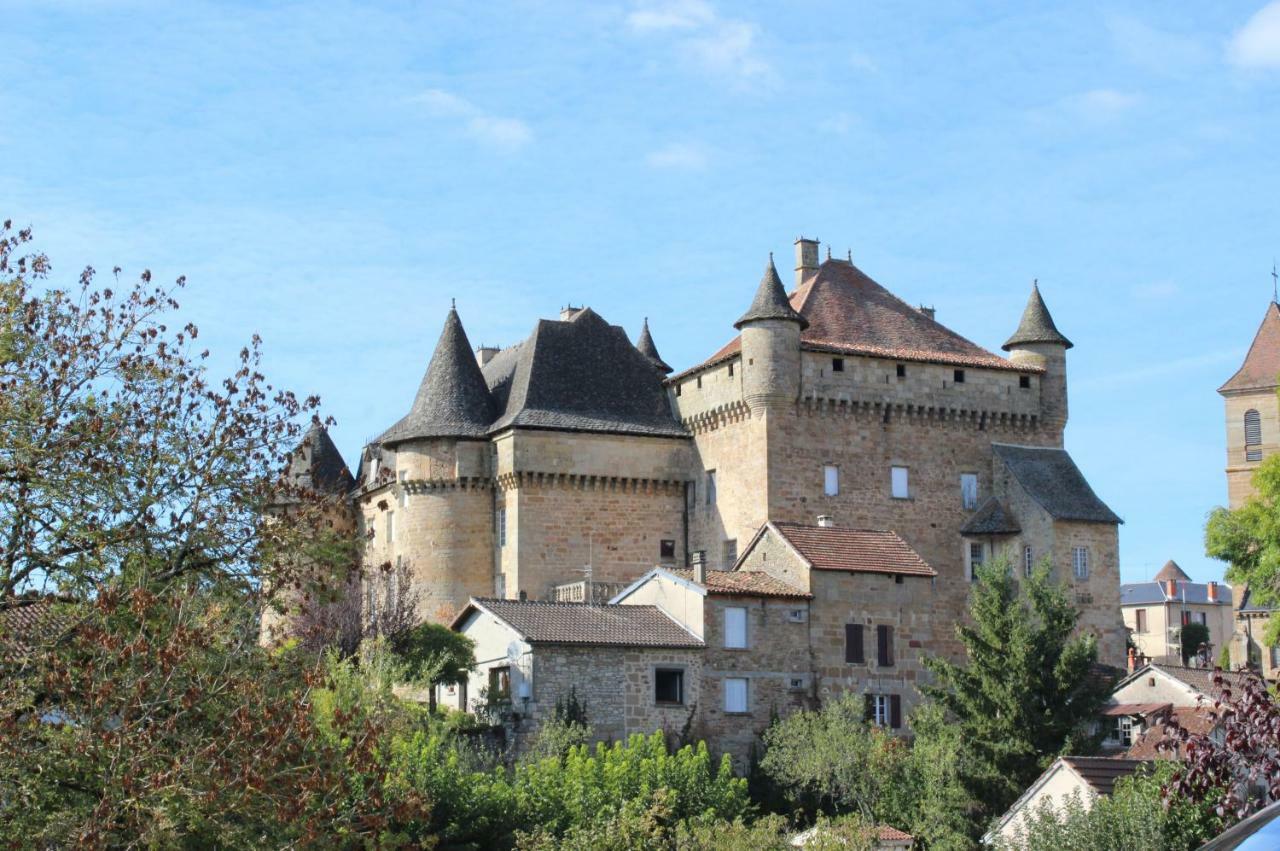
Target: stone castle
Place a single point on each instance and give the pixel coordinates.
(568, 465)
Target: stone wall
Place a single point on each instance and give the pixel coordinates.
(1239, 468)
(644, 714)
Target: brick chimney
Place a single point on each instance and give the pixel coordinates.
(1171, 588)
(826, 521)
(806, 258)
(1212, 591)
(699, 561)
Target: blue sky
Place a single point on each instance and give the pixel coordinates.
(330, 175)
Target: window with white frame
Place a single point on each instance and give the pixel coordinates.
(1123, 732)
(1028, 561)
(880, 710)
(735, 694)
(500, 520)
(899, 483)
(977, 552)
(391, 527)
(969, 490)
(831, 480)
(735, 627)
(1080, 562)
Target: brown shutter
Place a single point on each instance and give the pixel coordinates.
(884, 645)
(853, 653)
(868, 707)
(895, 711)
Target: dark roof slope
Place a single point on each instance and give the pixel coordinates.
(991, 518)
(1036, 325)
(1171, 570)
(1053, 480)
(743, 583)
(542, 622)
(770, 301)
(648, 349)
(1261, 367)
(582, 374)
(1102, 772)
(855, 550)
(1201, 679)
(318, 464)
(1138, 593)
(453, 399)
(1250, 605)
(27, 623)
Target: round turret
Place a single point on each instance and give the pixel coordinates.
(1038, 343)
(770, 346)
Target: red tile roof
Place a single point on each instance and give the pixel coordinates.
(849, 313)
(1102, 772)
(744, 583)
(856, 550)
(27, 623)
(1196, 720)
(1171, 570)
(1261, 367)
(892, 834)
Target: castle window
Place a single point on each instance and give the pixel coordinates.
(837, 364)
(371, 602)
(735, 694)
(884, 646)
(977, 553)
(404, 492)
(969, 490)
(391, 527)
(1024, 381)
(958, 376)
(884, 710)
(735, 628)
(1140, 620)
(1028, 564)
(902, 370)
(711, 487)
(731, 369)
(899, 483)
(1252, 436)
(730, 553)
(500, 524)
(668, 685)
(393, 587)
(678, 386)
(691, 495)
(853, 653)
(666, 550)
(1080, 561)
(831, 480)
(699, 382)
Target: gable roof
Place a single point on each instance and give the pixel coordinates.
(580, 374)
(1261, 367)
(542, 622)
(1196, 680)
(771, 301)
(742, 583)
(1171, 571)
(26, 623)
(850, 550)
(1102, 772)
(453, 399)
(646, 347)
(991, 518)
(1196, 720)
(1139, 593)
(1036, 325)
(1053, 480)
(849, 313)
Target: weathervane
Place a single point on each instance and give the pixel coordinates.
(1275, 282)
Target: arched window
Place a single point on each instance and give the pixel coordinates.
(1252, 436)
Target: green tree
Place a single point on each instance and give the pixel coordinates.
(1248, 540)
(434, 655)
(1026, 690)
(1192, 638)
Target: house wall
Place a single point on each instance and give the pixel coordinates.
(1153, 687)
(1239, 470)
(1057, 789)
(682, 601)
(1160, 641)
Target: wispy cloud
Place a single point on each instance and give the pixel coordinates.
(1257, 44)
(682, 156)
(728, 47)
(495, 130)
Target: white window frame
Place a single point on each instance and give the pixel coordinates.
(502, 526)
(880, 709)
(1080, 562)
(969, 491)
(736, 692)
(1028, 560)
(900, 482)
(970, 548)
(735, 627)
(831, 480)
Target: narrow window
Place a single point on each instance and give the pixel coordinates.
(735, 694)
(391, 527)
(711, 487)
(1028, 563)
(1186, 618)
(668, 685)
(1203, 618)
(699, 382)
(735, 627)
(1024, 382)
(837, 364)
(393, 587)
(1141, 625)
(500, 683)
(691, 491)
(902, 370)
(666, 550)
(958, 376)
(730, 553)
(853, 654)
(678, 387)
(1124, 730)
(976, 553)
(500, 520)
(898, 479)
(969, 490)
(831, 480)
(731, 369)
(1080, 561)
(404, 491)
(1252, 436)
(371, 602)
(884, 646)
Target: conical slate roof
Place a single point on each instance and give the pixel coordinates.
(991, 518)
(649, 350)
(771, 301)
(317, 464)
(1261, 367)
(1171, 571)
(453, 399)
(1036, 325)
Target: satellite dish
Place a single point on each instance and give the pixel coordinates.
(515, 650)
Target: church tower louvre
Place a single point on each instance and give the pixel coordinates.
(770, 346)
(1039, 343)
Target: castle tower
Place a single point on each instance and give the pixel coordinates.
(770, 346)
(649, 350)
(1038, 343)
(1252, 408)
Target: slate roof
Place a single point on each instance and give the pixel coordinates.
(28, 623)
(1138, 593)
(771, 301)
(1102, 772)
(1053, 480)
(991, 518)
(1036, 325)
(1171, 570)
(453, 399)
(849, 313)
(581, 374)
(648, 349)
(853, 550)
(1261, 367)
(1248, 606)
(541, 622)
(745, 583)
(318, 464)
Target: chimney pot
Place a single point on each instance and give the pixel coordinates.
(569, 311)
(826, 521)
(699, 560)
(1213, 592)
(806, 258)
(930, 312)
(484, 354)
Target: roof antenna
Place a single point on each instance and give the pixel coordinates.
(828, 252)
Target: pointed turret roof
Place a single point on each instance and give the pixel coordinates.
(649, 350)
(1171, 571)
(991, 518)
(453, 399)
(316, 464)
(1261, 367)
(1036, 325)
(771, 301)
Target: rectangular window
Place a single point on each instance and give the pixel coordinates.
(735, 627)
(735, 694)
(958, 376)
(699, 382)
(1028, 562)
(691, 495)
(731, 369)
(898, 480)
(393, 587)
(977, 553)
(1024, 382)
(678, 386)
(500, 683)
(391, 527)
(1124, 730)
(668, 685)
(884, 710)
(500, 521)
(1186, 618)
(404, 492)
(666, 550)
(371, 602)
(853, 653)
(1080, 562)
(831, 480)
(837, 364)
(902, 370)
(711, 487)
(1202, 618)
(1140, 620)
(969, 490)
(884, 646)
(730, 553)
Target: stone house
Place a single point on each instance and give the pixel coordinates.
(1155, 613)
(1085, 778)
(1133, 717)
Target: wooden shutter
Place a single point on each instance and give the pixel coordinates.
(884, 645)
(895, 711)
(868, 707)
(853, 644)
(1252, 428)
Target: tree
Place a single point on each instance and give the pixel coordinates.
(1026, 691)
(434, 655)
(1194, 641)
(1248, 539)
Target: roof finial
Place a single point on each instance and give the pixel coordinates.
(1275, 282)
(453, 304)
(848, 254)
(828, 252)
